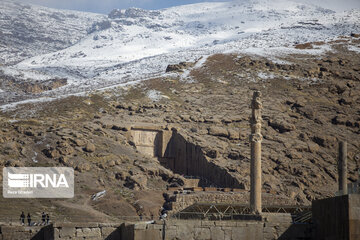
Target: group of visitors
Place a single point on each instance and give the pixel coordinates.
(45, 219)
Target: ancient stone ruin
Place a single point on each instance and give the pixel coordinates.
(342, 168)
(255, 141)
(174, 152)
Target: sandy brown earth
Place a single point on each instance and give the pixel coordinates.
(310, 103)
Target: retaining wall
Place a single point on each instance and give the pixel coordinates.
(269, 226)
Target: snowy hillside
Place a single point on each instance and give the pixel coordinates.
(135, 44)
(28, 30)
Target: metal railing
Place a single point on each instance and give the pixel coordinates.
(213, 211)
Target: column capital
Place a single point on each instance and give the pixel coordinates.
(256, 137)
(256, 101)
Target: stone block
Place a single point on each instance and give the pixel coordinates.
(269, 229)
(270, 233)
(207, 223)
(56, 233)
(172, 227)
(188, 222)
(271, 224)
(270, 236)
(140, 226)
(202, 233)
(354, 200)
(88, 232)
(185, 231)
(278, 218)
(217, 233)
(17, 235)
(354, 212)
(254, 232)
(114, 225)
(225, 223)
(170, 234)
(75, 225)
(106, 231)
(96, 232)
(148, 234)
(155, 226)
(10, 229)
(86, 238)
(241, 224)
(227, 232)
(67, 232)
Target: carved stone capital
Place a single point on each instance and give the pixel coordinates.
(256, 137)
(256, 127)
(256, 101)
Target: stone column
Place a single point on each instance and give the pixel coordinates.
(342, 168)
(255, 141)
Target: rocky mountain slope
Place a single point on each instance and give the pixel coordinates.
(310, 103)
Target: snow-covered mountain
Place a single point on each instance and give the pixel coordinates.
(28, 30)
(134, 44)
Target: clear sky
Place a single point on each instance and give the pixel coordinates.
(105, 6)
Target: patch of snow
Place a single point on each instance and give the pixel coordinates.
(354, 48)
(200, 62)
(34, 157)
(21, 74)
(155, 95)
(283, 51)
(263, 75)
(13, 105)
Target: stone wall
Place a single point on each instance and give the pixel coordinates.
(268, 226)
(65, 231)
(337, 217)
(272, 226)
(24, 232)
(181, 156)
(147, 141)
(186, 158)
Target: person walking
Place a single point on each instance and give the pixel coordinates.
(22, 218)
(29, 219)
(47, 219)
(43, 216)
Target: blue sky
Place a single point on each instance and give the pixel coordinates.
(105, 6)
